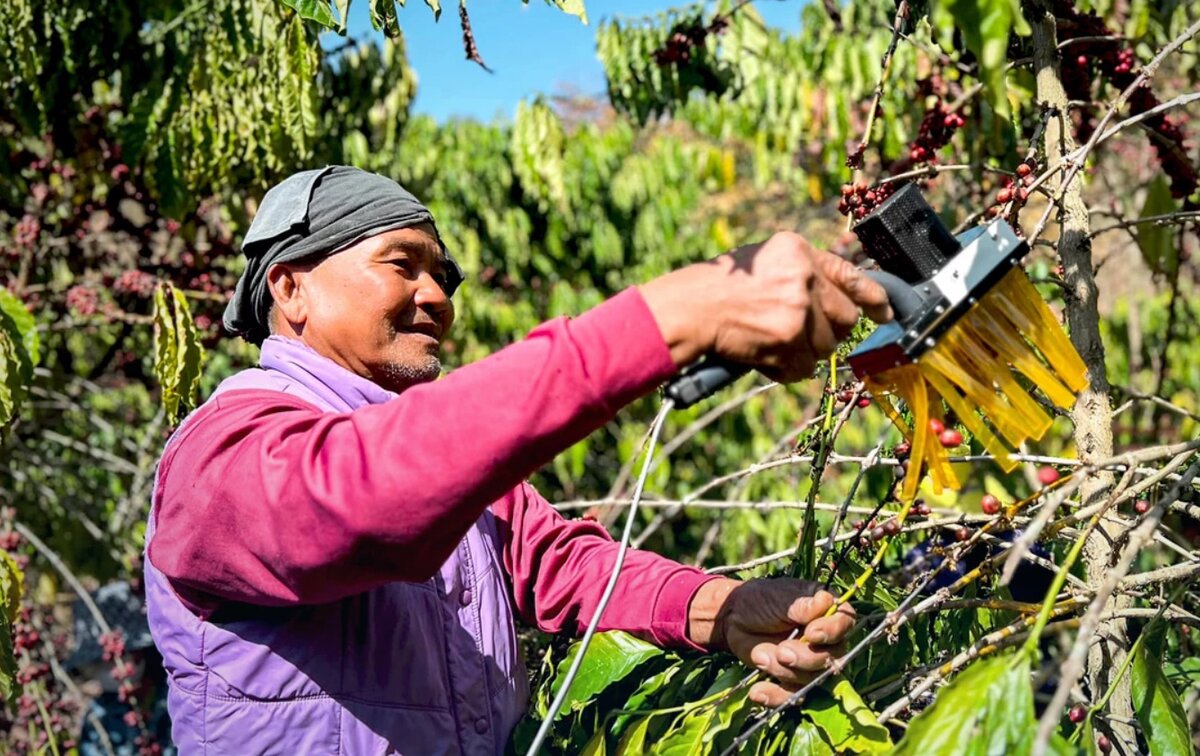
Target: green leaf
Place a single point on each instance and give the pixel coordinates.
(12, 586)
(23, 320)
(1183, 675)
(177, 354)
(383, 17)
(596, 746)
(536, 142)
(191, 356)
(572, 7)
(846, 720)
(314, 10)
(1159, 244)
(634, 741)
(12, 582)
(436, 7)
(807, 741)
(610, 657)
(988, 709)
(16, 370)
(343, 8)
(1156, 703)
(649, 687)
(18, 354)
(985, 26)
(702, 724)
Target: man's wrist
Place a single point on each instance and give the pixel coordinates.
(681, 306)
(705, 616)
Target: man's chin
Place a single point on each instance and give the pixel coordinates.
(400, 374)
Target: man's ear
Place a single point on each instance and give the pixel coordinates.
(286, 285)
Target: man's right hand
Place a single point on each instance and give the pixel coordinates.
(779, 306)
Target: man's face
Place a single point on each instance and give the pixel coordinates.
(378, 308)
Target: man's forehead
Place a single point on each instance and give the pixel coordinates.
(417, 239)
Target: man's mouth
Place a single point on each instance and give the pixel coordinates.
(424, 329)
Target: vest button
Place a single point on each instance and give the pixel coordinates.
(465, 598)
(481, 725)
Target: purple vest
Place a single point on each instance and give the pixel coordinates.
(411, 668)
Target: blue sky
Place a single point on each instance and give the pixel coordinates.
(532, 48)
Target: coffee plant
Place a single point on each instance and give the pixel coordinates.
(1050, 610)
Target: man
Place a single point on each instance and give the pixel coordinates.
(339, 544)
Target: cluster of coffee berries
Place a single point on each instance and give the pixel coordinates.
(936, 130)
(947, 437)
(43, 713)
(872, 530)
(138, 283)
(27, 231)
(861, 200)
(685, 38)
(1117, 65)
(845, 395)
(83, 300)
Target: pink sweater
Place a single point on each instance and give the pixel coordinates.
(265, 499)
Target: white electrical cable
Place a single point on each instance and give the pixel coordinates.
(565, 688)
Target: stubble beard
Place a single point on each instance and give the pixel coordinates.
(409, 366)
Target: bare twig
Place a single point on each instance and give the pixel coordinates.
(469, 46)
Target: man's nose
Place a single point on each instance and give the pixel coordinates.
(430, 294)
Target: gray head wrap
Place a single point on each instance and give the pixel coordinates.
(312, 214)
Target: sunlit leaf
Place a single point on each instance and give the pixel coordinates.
(610, 657)
(986, 709)
(846, 720)
(178, 356)
(573, 7)
(22, 319)
(12, 582)
(985, 26)
(1155, 702)
(808, 741)
(314, 10)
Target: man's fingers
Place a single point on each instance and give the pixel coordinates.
(858, 287)
(837, 308)
(770, 693)
(790, 661)
(801, 656)
(809, 608)
(832, 629)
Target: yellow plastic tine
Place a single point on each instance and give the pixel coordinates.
(1010, 415)
(1030, 313)
(969, 418)
(883, 392)
(918, 404)
(955, 365)
(1013, 348)
(940, 470)
(1033, 419)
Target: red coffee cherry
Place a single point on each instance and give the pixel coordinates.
(989, 504)
(950, 438)
(1077, 714)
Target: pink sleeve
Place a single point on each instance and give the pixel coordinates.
(561, 567)
(265, 499)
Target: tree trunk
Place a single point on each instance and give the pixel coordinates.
(1092, 414)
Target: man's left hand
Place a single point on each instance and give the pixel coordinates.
(753, 620)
